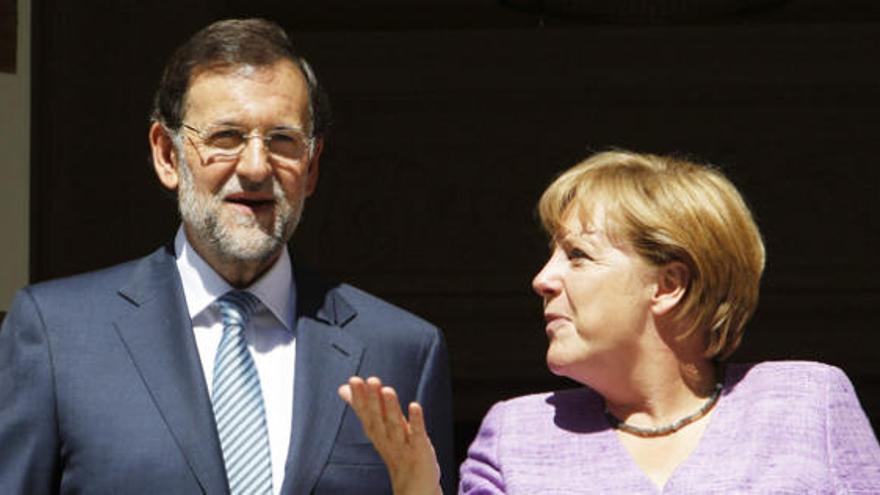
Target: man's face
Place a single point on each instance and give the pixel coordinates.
(244, 209)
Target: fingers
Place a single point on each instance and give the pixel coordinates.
(373, 404)
(416, 419)
(421, 442)
(376, 406)
(355, 393)
(344, 392)
(378, 409)
(396, 426)
(403, 444)
(418, 433)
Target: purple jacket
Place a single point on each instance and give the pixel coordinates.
(779, 427)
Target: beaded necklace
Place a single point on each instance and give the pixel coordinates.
(659, 431)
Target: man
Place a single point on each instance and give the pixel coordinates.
(212, 365)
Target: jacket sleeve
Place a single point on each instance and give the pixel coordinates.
(852, 446)
(481, 472)
(435, 396)
(29, 444)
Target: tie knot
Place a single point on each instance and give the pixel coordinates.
(237, 307)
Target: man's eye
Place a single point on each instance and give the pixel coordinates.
(287, 145)
(225, 139)
(283, 138)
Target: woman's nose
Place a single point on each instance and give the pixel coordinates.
(546, 282)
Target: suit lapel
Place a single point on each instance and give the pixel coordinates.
(326, 357)
(158, 336)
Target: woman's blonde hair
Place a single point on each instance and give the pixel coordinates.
(669, 209)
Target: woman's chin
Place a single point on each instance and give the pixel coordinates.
(557, 364)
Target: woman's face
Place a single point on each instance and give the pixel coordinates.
(597, 298)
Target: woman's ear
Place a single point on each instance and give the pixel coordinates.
(672, 283)
(164, 160)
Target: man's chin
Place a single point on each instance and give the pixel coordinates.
(249, 244)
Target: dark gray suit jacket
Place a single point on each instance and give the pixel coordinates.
(102, 391)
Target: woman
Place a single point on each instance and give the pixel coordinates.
(654, 271)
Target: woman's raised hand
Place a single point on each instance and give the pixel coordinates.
(404, 445)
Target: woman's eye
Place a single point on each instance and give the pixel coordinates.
(575, 254)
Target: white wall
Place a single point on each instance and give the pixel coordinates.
(15, 117)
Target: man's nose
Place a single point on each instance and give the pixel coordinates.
(253, 164)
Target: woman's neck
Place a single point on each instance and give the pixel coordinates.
(660, 391)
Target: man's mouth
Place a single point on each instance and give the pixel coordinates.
(252, 203)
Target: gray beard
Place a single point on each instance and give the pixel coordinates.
(234, 237)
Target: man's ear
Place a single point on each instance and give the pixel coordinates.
(672, 283)
(164, 156)
(314, 167)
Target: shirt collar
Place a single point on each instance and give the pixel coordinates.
(202, 285)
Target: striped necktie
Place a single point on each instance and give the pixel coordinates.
(238, 401)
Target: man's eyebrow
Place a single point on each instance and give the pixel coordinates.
(285, 127)
(225, 123)
(239, 125)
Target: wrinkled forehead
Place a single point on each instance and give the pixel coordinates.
(220, 85)
(248, 94)
(247, 70)
(587, 210)
(594, 219)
